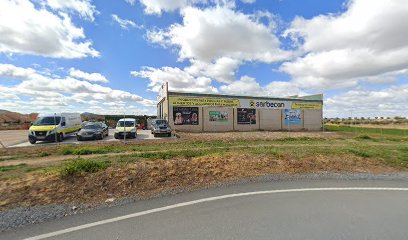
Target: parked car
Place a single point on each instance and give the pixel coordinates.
(126, 127)
(105, 127)
(54, 127)
(92, 131)
(160, 127)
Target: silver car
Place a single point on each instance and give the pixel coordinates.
(160, 127)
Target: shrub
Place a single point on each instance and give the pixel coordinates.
(84, 165)
(360, 153)
(364, 137)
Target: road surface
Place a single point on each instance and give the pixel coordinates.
(302, 209)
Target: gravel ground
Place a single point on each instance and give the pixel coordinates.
(20, 217)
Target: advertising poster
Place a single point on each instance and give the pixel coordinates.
(293, 117)
(185, 115)
(305, 105)
(196, 101)
(215, 116)
(246, 116)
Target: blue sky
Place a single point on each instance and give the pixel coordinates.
(111, 56)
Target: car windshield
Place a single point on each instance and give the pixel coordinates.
(126, 124)
(91, 126)
(159, 122)
(45, 121)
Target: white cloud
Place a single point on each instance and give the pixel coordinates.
(50, 93)
(217, 40)
(367, 40)
(245, 86)
(213, 33)
(123, 23)
(391, 101)
(159, 6)
(223, 69)
(25, 29)
(179, 80)
(92, 77)
(249, 86)
(9, 70)
(83, 7)
(131, 2)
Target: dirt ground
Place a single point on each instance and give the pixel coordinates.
(256, 135)
(151, 177)
(387, 126)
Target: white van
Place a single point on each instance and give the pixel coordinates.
(126, 127)
(54, 127)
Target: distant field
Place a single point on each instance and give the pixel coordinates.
(367, 130)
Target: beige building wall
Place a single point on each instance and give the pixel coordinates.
(165, 108)
(187, 128)
(313, 119)
(245, 127)
(270, 119)
(210, 126)
(294, 127)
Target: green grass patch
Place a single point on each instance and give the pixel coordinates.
(360, 153)
(12, 167)
(78, 166)
(44, 154)
(364, 130)
(271, 151)
(363, 137)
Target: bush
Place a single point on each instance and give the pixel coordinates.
(84, 150)
(364, 137)
(360, 153)
(84, 165)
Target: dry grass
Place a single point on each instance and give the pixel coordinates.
(150, 177)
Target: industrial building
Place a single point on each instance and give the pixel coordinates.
(192, 112)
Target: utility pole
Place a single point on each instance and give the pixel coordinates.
(55, 127)
(124, 127)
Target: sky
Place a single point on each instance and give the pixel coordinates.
(112, 56)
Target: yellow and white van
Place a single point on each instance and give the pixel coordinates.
(54, 127)
(126, 127)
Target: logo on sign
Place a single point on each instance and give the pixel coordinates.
(266, 104)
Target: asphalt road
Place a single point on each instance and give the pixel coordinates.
(141, 135)
(316, 209)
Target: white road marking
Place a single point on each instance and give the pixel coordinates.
(210, 199)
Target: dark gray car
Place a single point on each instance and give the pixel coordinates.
(160, 127)
(92, 131)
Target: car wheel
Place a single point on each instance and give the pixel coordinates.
(32, 141)
(169, 135)
(155, 135)
(79, 138)
(60, 137)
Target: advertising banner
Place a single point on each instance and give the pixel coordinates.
(293, 117)
(307, 105)
(215, 116)
(196, 101)
(246, 116)
(185, 115)
(265, 104)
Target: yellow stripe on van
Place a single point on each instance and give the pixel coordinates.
(42, 128)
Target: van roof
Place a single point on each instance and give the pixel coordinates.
(127, 119)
